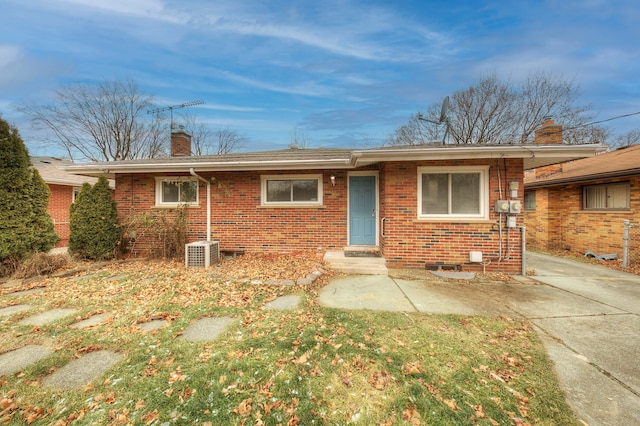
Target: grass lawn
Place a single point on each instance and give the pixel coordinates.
(310, 365)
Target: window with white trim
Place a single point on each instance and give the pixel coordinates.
(605, 197)
(291, 190)
(176, 191)
(76, 191)
(453, 192)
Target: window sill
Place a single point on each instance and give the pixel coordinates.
(176, 206)
(455, 220)
(292, 206)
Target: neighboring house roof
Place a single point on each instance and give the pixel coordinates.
(618, 163)
(52, 170)
(337, 158)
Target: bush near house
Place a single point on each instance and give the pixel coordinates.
(93, 222)
(25, 225)
(45, 237)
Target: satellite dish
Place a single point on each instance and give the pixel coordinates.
(444, 111)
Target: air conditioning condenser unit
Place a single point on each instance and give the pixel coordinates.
(202, 254)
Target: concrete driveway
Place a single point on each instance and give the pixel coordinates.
(586, 315)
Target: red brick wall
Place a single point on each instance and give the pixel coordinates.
(560, 223)
(412, 243)
(241, 223)
(59, 201)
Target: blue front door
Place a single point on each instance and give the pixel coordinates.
(362, 210)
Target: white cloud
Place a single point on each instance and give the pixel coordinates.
(306, 89)
(152, 9)
(18, 69)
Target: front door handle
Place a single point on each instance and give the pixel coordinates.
(373, 213)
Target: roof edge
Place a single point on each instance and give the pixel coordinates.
(583, 178)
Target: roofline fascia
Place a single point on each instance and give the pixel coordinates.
(106, 168)
(63, 182)
(583, 178)
(359, 157)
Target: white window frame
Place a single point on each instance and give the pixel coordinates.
(263, 192)
(606, 187)
(483, 171)
(74, 193)
(175, 179)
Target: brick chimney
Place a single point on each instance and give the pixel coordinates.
(548, 134)
(180, 144)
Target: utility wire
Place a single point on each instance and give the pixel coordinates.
(603, 121)
(561, 129)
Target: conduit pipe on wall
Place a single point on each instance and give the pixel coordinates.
(208, 182)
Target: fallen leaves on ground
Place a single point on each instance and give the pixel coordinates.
(269, 266)
(231, 283)
(338, 365)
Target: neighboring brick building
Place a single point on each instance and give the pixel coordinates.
(581, 205)
(416, 205)
(63, 186)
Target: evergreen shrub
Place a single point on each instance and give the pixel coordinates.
(93, 223)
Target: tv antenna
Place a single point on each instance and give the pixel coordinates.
(172, 107)
(444, 118)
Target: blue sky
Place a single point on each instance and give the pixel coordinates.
(344, 72)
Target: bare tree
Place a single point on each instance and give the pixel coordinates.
(624, 140)
(479, 114)
(104, 122)
(420, 129)
(205, 141)
(498, 112)
(201, 135)
(299, 138)
(228, 140)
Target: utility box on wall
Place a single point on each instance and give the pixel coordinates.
(502, 206)
(515, 206)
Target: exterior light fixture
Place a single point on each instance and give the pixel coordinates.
(333, 180)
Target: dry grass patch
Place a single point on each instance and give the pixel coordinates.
(312, 365)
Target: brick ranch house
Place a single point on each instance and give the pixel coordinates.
(415, 205)
(581, 205)
(64, 187)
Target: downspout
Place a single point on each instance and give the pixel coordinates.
(208, 182)
(500, 217)
(523, 249)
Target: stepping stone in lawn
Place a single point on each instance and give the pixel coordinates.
(11, 284)
(284, 302)
(83, 371)
(206, 328)
(10, 310)
(84, 277)
(16, 360)
(152, 325)
(116, 278)
(25, 292)
(91, 321)
(47, 316)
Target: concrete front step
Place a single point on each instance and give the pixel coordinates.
(337, 261)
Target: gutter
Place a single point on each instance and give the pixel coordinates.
(583, 178)
(167, 167)
(531, 153)
(208, 182)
